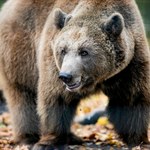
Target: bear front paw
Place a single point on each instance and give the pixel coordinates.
(48, 147)
(27, 139)
(50, 142)
(74, 140)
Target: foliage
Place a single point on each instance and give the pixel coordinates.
(1, 2)
(144, 6)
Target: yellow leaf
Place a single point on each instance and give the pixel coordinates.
(102, 121)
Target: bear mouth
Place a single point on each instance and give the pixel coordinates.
(86, 83)
(71, 87)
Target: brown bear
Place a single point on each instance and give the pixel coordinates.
(52, 61)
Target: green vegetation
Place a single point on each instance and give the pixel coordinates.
(144, 6)
(1, 2)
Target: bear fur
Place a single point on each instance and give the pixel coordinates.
(21, 23)
(50, 59)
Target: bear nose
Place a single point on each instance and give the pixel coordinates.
(65, 77)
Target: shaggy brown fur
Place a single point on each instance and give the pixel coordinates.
(100, 45)
(21, 23)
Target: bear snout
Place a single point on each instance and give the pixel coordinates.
(65, 77)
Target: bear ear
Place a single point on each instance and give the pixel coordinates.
(60, 18)
(114, 24)
(67, 19)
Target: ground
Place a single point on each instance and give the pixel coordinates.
(98, 136)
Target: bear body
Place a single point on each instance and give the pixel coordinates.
(50, 60)
(21, 23)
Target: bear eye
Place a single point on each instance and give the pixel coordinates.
(63, 52)
(83, 53)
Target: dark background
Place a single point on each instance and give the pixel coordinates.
(144, 6)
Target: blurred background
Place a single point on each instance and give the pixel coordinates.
(144, 6)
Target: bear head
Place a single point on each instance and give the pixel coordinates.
(90, 48)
